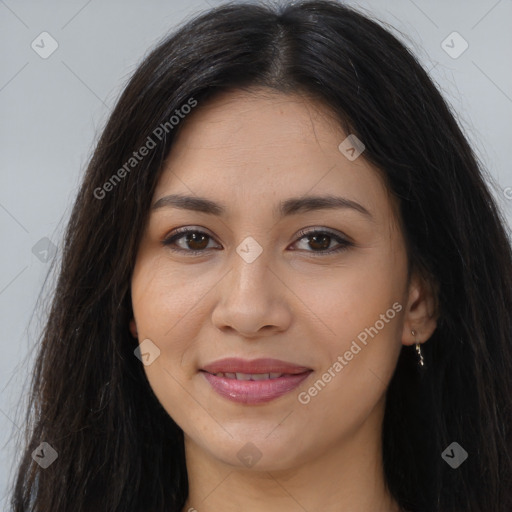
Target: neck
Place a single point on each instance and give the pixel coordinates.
(347, 476)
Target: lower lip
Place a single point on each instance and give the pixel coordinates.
(254, 391)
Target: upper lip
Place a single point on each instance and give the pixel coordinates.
(265, 365)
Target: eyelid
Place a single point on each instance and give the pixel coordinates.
(177, 233)
(319, 229)
(343, 241)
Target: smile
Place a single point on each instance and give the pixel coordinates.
(250, 376)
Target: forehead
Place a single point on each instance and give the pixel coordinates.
(241, 122)
(267, 144)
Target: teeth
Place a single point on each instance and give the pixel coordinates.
(249, 376)
(260, 376)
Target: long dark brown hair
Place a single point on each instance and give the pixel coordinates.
(118, 449)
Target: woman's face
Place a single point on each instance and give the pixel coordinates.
(330, 309)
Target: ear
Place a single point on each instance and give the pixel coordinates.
(421, 311)
(133, 328)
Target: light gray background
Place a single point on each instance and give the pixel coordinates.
(53, 109)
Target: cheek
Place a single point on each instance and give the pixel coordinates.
(165, 297)
(347, 299)
(360, 315)
(167, 305)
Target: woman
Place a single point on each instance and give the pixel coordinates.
(285, 286)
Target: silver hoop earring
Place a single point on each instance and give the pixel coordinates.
(418, 350)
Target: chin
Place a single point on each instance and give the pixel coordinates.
(258, 453)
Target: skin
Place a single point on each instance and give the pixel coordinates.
(249, 150)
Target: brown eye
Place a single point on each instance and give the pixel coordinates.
(192, 240)
(319, 242)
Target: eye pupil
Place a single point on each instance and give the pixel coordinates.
(326, 241)
(194, 237)
(196, 242)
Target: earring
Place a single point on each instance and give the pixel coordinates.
(418, 349)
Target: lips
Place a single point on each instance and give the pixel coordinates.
(257, 366)
(253, 382)
(250, 376)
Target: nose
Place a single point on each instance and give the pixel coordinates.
(252, 299)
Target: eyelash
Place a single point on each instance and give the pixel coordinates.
(180, 232)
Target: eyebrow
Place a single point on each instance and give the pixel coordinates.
(291, 206)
